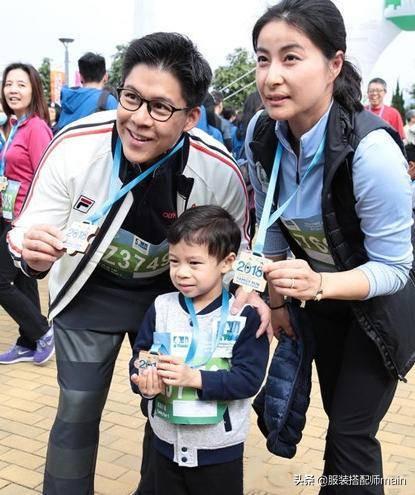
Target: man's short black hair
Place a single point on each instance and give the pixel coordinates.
(228, 113)
(92, 67)
(176, 54)
(209, 225)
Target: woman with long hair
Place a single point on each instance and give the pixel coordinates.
(337, 176)
(27, 136)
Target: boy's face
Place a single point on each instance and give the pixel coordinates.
(411, 169)
(195, 273)
(143, 138)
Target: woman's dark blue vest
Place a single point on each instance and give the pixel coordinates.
(388, 320)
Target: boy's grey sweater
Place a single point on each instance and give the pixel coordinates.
(192, 445)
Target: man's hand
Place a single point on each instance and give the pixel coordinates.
(252, 298)
(174, 372)
(42, 246)
(149, 382)
(280, 321)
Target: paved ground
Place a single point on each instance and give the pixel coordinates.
(28, 398)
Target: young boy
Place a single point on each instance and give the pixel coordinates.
(208, 364)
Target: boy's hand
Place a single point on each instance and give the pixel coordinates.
(174, 372)
(149, 382)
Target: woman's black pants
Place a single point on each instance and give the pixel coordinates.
(19, 296)
(357, 391)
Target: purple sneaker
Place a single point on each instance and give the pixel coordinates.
(45, 348)
(17, 354)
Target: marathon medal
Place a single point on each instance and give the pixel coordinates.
(146, 360)
(78, 237)
(3, 183)
(248, 271)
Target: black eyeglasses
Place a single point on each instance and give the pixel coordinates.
(158, 110)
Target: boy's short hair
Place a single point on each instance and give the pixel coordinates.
(209, 225)
(176, 54)
(92, 67)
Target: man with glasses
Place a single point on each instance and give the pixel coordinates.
(376, 92)
(131, 174)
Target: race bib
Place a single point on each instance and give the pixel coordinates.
(130, 257)
(8, 198)
(181, 405)
(309, 234)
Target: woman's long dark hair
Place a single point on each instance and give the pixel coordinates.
(322, 23)
(38, 105)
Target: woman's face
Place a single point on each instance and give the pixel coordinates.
(18, 91)
(293, 76)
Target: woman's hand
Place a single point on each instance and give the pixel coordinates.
(293, 278)
(174, 372)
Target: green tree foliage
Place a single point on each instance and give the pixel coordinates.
(239, 62)
(44, 72)
(397, 100)
(116, 66)
(412, 97)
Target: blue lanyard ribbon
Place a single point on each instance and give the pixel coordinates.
(115, 195)
(9, 142)
(268, 219)
(191, 354)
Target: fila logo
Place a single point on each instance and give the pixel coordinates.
(83, 204)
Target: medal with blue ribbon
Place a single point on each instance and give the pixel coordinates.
(78, 236)
(248, 267)
(203, 344)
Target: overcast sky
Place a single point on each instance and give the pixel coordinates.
(30, 29)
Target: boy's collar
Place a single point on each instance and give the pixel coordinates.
(217, 303)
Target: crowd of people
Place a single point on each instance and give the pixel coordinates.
(142, 206)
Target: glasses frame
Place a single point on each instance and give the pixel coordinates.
(148, 103)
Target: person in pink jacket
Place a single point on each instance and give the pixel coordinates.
(27, 136)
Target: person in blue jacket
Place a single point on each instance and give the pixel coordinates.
(91, 97)
(337, 175)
